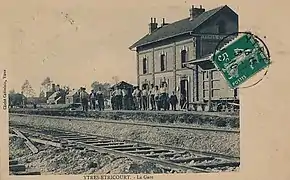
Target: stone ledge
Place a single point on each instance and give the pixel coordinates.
(199, 118)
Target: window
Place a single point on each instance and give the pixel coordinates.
(205, 75)
(162, 62)
(204, 94)
(221, 27)
(183, 57)
(203, 85)
(145, 70)
(235, 93)
(215, 75)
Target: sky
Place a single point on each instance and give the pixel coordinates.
(95, 47)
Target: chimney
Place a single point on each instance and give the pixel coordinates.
(194, 12)
(153, 25)
(163, 22)
(53, 87)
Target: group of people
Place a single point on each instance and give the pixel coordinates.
(121, 99)
(155, 98)
(158, 98)
(92, 100)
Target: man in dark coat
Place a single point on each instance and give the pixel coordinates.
(125, 99)
(173, 101)
(84, 99)
(92, 98)
(100, 99)
(152, 97)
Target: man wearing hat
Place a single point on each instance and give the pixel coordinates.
(84, 99)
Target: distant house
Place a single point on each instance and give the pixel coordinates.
(51, 99)
(50, 92)
(122, 85)
(56, 95)
(57, 98)
(73, 97)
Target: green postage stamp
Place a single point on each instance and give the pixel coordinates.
(241, 59)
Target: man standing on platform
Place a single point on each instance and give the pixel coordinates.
(84, 99)
(137, 98)
(100, 99)
(173, 101)
(163, 96)
(92, 98)
(144, 98)
(125, 98)
(152, 97)
(118, 98)
(157, 98)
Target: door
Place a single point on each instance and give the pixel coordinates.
(184, 91)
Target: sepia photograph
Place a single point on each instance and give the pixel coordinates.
(108, 90)
(173, 113)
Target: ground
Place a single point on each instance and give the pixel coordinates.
(51, 160)
(56, 161)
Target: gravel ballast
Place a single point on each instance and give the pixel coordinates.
(17, 148)
(50, 160)
(217, 142)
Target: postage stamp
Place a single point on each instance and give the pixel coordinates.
(241, 58)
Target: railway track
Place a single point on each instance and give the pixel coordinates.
(132, 123)
(168, 157)
(19, 169)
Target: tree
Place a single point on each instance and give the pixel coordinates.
(16, 99)
(46, 83)
(115, 79)
(42, 94)
(27, 89)
(12, 91)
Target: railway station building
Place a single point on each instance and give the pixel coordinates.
(178, 53)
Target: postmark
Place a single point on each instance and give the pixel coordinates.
(241, 58)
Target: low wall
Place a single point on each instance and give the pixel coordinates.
(198, 118)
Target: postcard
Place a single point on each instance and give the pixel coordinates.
(144, 90)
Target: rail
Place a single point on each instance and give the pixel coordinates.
(227, 130)
(169, 157)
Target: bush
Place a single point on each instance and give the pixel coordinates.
(234, 123)
(221, 123)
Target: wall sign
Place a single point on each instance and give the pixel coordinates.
(213, 37)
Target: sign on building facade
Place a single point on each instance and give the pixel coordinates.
(212, 37)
